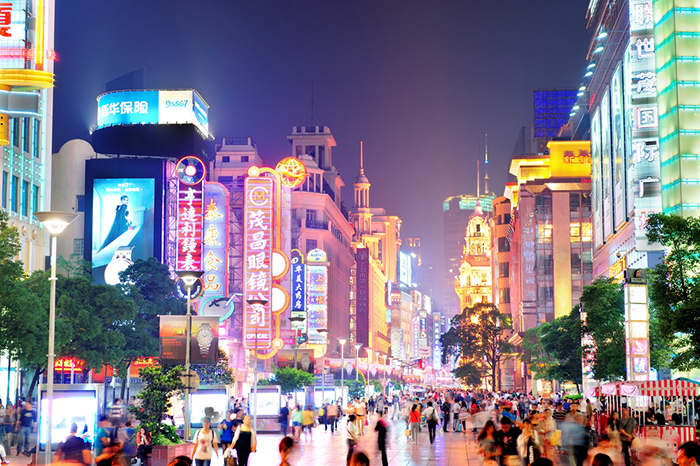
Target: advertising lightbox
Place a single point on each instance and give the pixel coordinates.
(69, 406)
(405, 272)
(204, 341)
(208, 403)
(152, 107)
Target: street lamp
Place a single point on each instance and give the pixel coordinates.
(342, 369)
(189, 278)
(386, 356)
(376, 354)
(368, 350)
(324, 333)
(251, 302)
(55, 222)
(357, 360)
(293, 320)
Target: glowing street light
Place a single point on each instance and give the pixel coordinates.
(342, 369)
(357, 346)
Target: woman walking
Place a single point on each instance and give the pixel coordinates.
(204, 444)
(529, 445)
(308, 423)
(414, 423)
(227, 431)
(244, 441)
(352, 436)
(297, 421)
(488, 449)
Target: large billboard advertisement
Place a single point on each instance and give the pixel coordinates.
(405, 271)
(606, 154)
(362, 296)
(597, 180)
(122, 225)
(123, 214)
(152, 107)
(618, 148)
(204, 341)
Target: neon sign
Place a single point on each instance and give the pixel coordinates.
(215, 240)
(298, 282)
(190, 172)
(583, 157)
(259, 203)
(317, 300)
(292, 172)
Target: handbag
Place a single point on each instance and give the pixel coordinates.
(231, 461)
(556, 438)
(407, 432)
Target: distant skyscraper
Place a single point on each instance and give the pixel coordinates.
(551, 111)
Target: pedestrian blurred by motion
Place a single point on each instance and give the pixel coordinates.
(628, 427)
(286, 445)
(529, 444)
(488, 448)
(204, 444)
(381, 429)
(414, 423)
(332, 415)
(308, 423)
(352, 434)
(432, 418)
(297, 421)
(244, 441)
(359, 459)
(73, 449)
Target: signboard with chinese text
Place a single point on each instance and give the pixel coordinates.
(189, 222)
(215, 240)
(298, 292)
(13, 33)
(259, 205)
(316, 299)
(362, 296)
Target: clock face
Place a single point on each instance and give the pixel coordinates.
(113, 269)
(205, 335)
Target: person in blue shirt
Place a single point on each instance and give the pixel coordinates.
(507, 413)
(227, 427)
(567, 405)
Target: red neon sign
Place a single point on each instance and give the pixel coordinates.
(190, 194)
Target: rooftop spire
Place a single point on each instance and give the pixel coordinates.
(361, 178)
(477, 208)
(486, 163)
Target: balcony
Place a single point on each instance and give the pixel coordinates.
(316, 225)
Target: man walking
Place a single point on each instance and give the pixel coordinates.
(446, 407)
(628, 426)
(26, 424)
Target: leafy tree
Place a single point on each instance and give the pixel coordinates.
(604, 304)
(674, 288)
(534, 355)
(149, 285)
(74, 266)
(660, 346)
(356, 388)
(469, 374)
(290, 379)
(561, 339)
(155, 398)
(476, 338)
(218, 374)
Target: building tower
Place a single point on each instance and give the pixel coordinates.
(362, 215)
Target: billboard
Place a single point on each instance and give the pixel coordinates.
(204, 341)
(215, 240)
(123, 214)
(405, 272)
(606, 155)
(257, 322)
(122, 225)
(152, 107)
(190, 173)
(362, 296)
(618, 149)
(597, 180)
(316, 300)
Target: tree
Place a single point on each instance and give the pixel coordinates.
(604, 304)
(218, 374)
(155, 398)
(561, 339)
(290, 379)
(476, 337)
(674, 288)
(469, 374)
(149, 285)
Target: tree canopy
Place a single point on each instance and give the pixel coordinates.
(561, 341)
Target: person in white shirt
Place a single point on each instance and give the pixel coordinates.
(352, 436)
(456, 425)
(360, 413)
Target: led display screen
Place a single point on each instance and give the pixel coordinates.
(79, 406)
(123, 213)
(211, 405)
(405, 272)
(268, 403)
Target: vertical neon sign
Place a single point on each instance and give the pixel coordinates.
(215, 240)
(190, 173)
(259, 203)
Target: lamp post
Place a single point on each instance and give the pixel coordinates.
(357, 360)
(386, 356)
(324, 333)
(189, 278)
(293, 320)
(251, 302)
(369, 356)
(55, 222)
(376, 361)
(342, 370)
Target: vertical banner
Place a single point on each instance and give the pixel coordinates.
(173, 339)
(362, 296)
(606, 154)
(190, 172)
(259, 204)
(637, 323)
(298, 291)
(317, 294)
(597, 181)
(215, 242)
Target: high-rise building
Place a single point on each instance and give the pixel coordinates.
(551, 111)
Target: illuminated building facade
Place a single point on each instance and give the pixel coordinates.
(473, 285)
(551, 232)
(625, 124)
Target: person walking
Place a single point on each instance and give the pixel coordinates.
(73, 449)
(26, 424)
(297, 421)
(332, 415)
(456, 425)
(628, 426)
(308, 423)
(529, 444)
(204, 444)
(284, 419)
(432, 419)
(381, 429)
(446, 408)
(244, 441)
(352, 434)
(488, 448)
(360, 413)
(226, 427)
(414, 423)
(286, 445)
(507, 442)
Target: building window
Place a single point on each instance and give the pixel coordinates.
(14, 194)
(321, 155)
(225, 159)
(311, 151)
(503, 269)
(25, 198)
(504, 295)
(35, 141)
(244, 158)
(5, 178)
(574, 202)
(311, 244)
(585, 202)
(312, 183)
(225, 179)
(503, 244)
(26, 135)
(81, 203)
(35, 198)
(79, 247)
(310, 215)
(15, 132)
(298, 151)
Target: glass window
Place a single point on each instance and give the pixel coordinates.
(79, 247)
(503, 244)
(311, 244)
(311, 150)
(574, 202)
(35, 140)
(575, 261)
(81, 203)
(544, 233)
(13, 194)
(25, 198)
(15, 132)
(575, 232)
(503, 269)
(297, 151)
(585, 202)
(244, 158)
(310, 215)
(321, 155)
(5, 178)
(26, 134)
(586, 232)
(35, 198)
(312, 183)
(225, 159)
(504, 295)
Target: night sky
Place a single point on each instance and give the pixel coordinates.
(420, 82)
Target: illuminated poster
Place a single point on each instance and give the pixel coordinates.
(606, 155)
(173, 339)
(317, 300)
(69, 406)
(597, 180)
(618, 148)
(189, 226)
(257, 322)
(122, 225)
(362, 296)
(215, 240)
(298, 294)
(204, 341)
(13, 33)
(405, 277)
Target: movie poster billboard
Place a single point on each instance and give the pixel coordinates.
(123, 211)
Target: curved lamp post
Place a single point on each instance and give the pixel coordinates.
(357, 346)
(324, 333)
(55, 222)
(342, 342)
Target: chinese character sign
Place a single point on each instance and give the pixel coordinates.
(298, 283)
(13, 34)
(257, 323)
(189, 226)
(362, 295)
(317, 300)
(215, 240)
